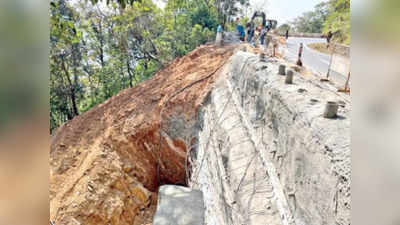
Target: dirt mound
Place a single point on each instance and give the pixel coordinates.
(106, 165)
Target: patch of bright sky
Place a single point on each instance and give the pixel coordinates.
(160, 3)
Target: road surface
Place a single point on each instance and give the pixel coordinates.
(312, 59)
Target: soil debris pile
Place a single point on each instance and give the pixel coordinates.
(106, 164)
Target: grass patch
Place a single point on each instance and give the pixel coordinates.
(322, 47)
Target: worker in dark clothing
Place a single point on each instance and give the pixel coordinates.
(329, 37)
(299, 62)
(287, 34)
(250, 31)
(263, 32)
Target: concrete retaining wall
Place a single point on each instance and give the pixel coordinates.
(265, 154)
(343, 50)
(179, 205)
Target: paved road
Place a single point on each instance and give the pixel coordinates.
(318, 62)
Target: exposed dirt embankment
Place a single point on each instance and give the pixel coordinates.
(104, 163)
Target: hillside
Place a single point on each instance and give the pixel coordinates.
(106, 164)
(225, 124)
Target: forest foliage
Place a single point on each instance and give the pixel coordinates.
(98, 48)
(332, 15)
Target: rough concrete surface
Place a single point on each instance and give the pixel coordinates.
(265, 153)
(178, 205)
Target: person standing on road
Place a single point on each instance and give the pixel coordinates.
(262, 35)
(240, 29)
(218, 39)
(219, 28)
(250, 32)
(329, 37)
(247, 31)
(287, 34)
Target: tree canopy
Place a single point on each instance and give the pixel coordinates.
(333, 15)
(99, 49)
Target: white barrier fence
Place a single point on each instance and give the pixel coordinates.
(341, 65)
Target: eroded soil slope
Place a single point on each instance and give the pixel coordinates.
(104, 164)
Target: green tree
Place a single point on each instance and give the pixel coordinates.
(228, 9)
(333, 16)
(312, 21)
(98, 51)
(338, 20)
(122, 3)
(65, 60)
(283, 28)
